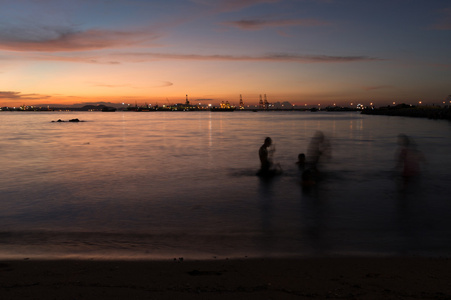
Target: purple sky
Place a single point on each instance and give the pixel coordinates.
(302, 51)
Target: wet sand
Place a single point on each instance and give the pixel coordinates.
(291, 278)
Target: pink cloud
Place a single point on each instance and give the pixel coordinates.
(139, 57)
(76, 59)
(10, 95)
(164, 84)
(66, 39)
(257, 24)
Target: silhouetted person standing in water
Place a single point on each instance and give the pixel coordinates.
(409, 158)
(265, 154)
(318, 147)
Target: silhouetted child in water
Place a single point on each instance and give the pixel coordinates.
(265, 153)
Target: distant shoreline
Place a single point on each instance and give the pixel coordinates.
(102, 108)
(403, 110)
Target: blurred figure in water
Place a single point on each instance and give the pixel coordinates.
(408, 158)
(265, 153)
(301, 161)
(318, 147)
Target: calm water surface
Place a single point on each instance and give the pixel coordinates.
(163, 185)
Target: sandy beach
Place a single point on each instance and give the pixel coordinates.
(289, 278)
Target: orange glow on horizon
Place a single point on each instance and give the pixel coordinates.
(65, 53)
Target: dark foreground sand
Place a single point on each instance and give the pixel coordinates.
(305, 278)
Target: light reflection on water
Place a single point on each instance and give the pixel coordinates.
(162, 184)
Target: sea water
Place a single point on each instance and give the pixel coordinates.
(184, 184)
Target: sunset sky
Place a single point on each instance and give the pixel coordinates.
(302, 51)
